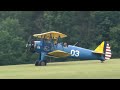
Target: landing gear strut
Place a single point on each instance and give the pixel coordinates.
(40, 63)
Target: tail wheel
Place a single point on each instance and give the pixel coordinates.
(37, 62)
(102, 61)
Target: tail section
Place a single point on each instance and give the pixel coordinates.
(104, 49)
(100, 48)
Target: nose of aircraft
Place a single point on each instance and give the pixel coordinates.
(30, 45)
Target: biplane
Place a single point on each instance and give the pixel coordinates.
(48, 45)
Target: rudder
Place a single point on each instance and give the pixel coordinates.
(107, 51)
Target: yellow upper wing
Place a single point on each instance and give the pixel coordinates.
(59, 53)
(52, 34)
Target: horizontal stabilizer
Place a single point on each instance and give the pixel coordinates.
(97, 52)
(59, 53)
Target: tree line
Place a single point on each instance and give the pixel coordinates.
(88, 28)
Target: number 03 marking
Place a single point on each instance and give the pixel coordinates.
(75, 53)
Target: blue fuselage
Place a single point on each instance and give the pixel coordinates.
(80, 53)
(76, 52)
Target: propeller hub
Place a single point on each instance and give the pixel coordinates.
(30, 45)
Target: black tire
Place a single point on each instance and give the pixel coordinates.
(37, 62)
(42, 63)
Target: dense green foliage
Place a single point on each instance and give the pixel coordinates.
(88, 28)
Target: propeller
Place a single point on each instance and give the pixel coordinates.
(30, 44)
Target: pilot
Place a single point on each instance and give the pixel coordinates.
(55, 42)
(48, 41)
(65, 44)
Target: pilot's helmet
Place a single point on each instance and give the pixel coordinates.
(65, 44)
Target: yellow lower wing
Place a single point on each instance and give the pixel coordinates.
(59, 53)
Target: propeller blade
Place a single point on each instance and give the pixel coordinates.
(28, 42)
(29, 39)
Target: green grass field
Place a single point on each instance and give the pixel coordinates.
(64, 70)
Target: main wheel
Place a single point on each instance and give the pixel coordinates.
(37, 62)
(42, 63)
